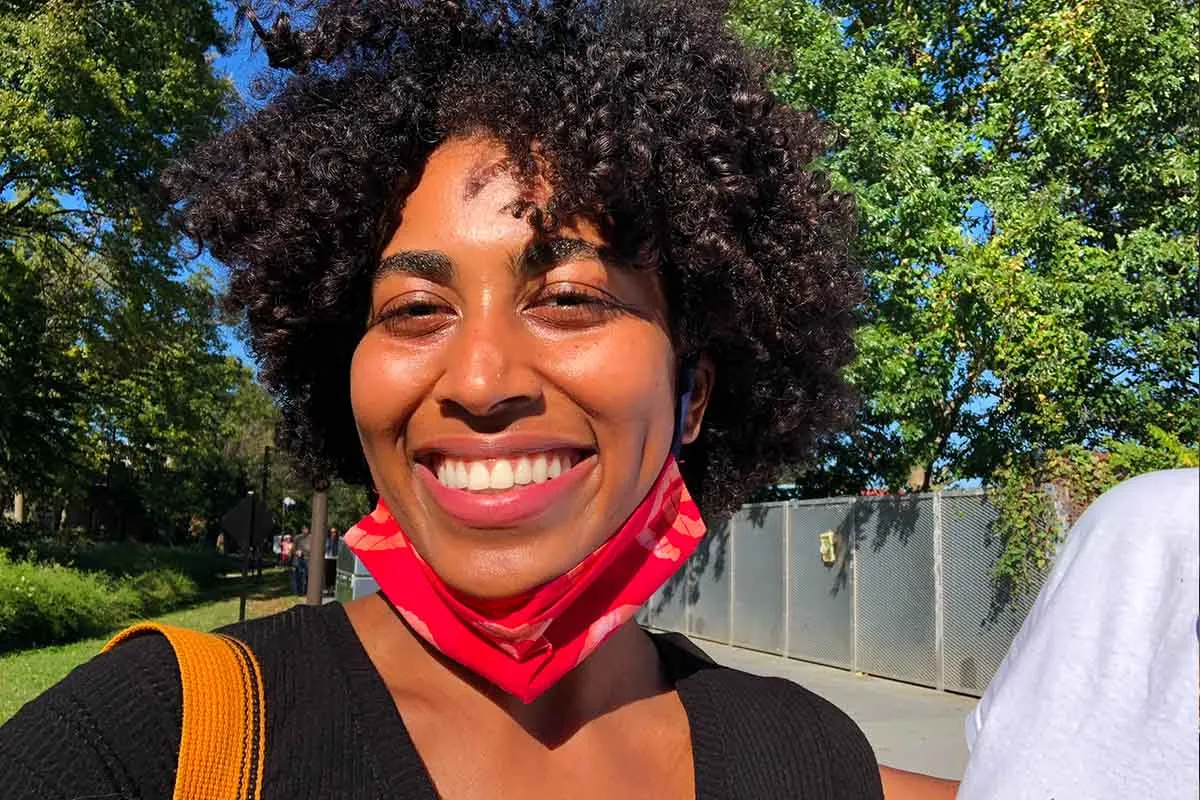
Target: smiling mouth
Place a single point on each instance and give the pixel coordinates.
(502, 474)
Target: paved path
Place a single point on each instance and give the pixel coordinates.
(910, 727)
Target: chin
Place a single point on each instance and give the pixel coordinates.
(503, 569)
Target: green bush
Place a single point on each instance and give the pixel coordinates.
(161, 590)
(1040, 499)
(14, 535)
(47, 603)
(203, 565)
(43, 603)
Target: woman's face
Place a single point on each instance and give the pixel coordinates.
(515, 401)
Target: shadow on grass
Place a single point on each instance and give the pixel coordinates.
(273, 584)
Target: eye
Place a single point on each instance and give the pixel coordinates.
(414, 315)
(571, 306)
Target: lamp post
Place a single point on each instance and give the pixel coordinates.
(316, 541)
(246, 559)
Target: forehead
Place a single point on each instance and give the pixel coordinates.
(465, 192)
(466, 197)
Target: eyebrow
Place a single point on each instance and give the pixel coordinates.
(428, 264)
(538, 258)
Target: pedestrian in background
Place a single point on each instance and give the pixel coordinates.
(285, 550)
(300, 550)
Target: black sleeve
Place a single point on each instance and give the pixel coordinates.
(109, 729)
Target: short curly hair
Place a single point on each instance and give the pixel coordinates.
(654, 121)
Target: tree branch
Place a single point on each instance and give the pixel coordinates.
(951, 412)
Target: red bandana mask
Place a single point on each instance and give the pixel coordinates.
(525, 645)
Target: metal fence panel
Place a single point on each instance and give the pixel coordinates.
(642, 617)
(758, 590)
(709, 585)
(979, 623)
(896, 632)
(819, 604)
(667, 608)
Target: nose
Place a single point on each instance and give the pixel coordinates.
(490, 378)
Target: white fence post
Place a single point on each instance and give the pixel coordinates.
(939, 610)
(732, 572)
(854, 666)
(787, 580)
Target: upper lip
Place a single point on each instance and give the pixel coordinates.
(499, 446)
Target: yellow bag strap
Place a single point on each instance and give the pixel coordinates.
(215, 762)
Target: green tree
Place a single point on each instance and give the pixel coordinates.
(95, 98)
(40, 385)
(103, 348)
(164, 399)
(1027, 179)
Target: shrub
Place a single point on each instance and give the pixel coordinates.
(15, 534)
(160, 590)
(45, 603)
(203, 565)
(1039, 499)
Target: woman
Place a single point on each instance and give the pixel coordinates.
(285, 550)
(502, 261)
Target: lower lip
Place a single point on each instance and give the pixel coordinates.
(507, 508)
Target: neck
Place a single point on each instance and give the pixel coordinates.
(623, 670)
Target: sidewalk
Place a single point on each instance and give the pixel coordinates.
(910, 727)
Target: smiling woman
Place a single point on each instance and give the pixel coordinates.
(510, 359)
(554, 278)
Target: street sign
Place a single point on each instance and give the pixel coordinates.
(237, 522)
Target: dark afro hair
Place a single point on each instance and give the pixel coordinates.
(654, 121)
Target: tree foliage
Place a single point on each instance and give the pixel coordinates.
(95, 98)
(115, 394)
(1027, 179)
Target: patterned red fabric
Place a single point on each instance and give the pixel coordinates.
(524, 645)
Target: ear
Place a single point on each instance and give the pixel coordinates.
(702, 386)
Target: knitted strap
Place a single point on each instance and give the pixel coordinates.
(222, 742)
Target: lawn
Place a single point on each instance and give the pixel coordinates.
(24, 674)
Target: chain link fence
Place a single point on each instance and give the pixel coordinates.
(905, 592)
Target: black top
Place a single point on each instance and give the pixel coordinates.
(110, 729)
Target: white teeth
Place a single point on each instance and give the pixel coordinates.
(502, 475)
(479, 478)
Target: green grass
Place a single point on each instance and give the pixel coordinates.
(24, 674)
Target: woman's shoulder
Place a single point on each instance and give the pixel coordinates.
(280, 635)
(773, 701)
(769, 737)
(113, 722)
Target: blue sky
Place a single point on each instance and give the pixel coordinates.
(240, 64)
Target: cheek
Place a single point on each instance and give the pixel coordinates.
(625, 383)
(385, 390)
